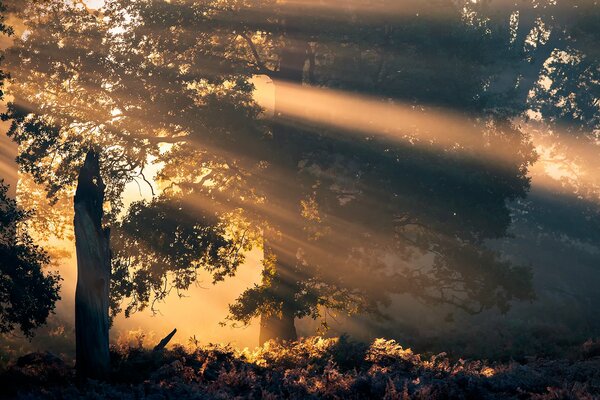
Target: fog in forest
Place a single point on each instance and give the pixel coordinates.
(426, 172)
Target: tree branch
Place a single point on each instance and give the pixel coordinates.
(259, 63)
(163, 343)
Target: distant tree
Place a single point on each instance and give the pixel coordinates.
(428, 54)
(556, 86)
(364, 197)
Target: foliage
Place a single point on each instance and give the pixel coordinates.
(177, 240)
(87, 94)
(27, 294)
(331, 200)
(409, 195)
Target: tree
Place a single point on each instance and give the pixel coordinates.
(273, 181)
(396, 58)
(53, 145)
(92, 242)
(78, 126)
(356, 56)
(27, 294)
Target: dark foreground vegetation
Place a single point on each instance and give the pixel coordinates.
(312, 368)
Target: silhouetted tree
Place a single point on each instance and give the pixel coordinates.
(77, 129)
(27, 294)
(92, 242)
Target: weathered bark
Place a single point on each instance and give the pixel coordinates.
(93, 274)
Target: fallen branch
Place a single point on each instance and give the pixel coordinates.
(161, 345)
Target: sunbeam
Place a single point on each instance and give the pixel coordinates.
(308, 176)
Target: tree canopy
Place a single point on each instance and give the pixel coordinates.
(397, 190)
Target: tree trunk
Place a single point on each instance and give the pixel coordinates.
(281, 326)
(277, 327)
(93, 274)
(282, 286)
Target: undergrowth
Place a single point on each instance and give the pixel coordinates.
(335, 368)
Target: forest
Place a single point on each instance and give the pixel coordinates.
(265, 199)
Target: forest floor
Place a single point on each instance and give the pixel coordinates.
(312, 368)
